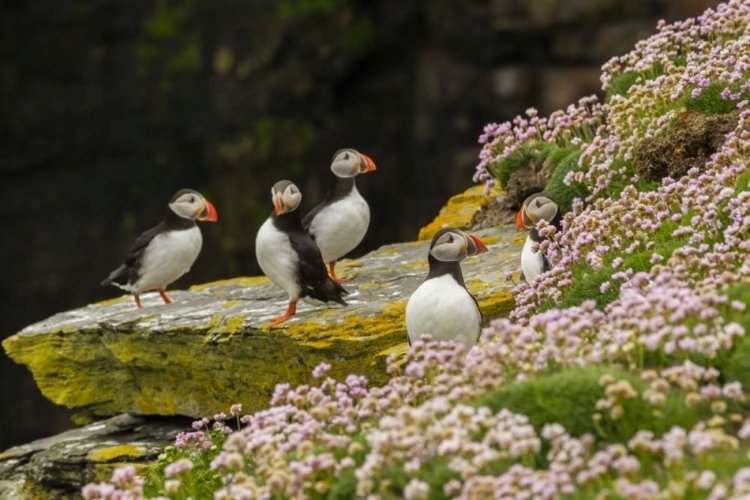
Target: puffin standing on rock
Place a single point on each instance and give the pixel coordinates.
(536, 207)
(290, 257)
(442, 306)
(162, 254)
(340, 222)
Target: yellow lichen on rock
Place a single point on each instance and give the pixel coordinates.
(118, 452)
(459, 211)
(244, 281)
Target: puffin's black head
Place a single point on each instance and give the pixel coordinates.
(536, 207)
(286, 197)
(350, 163)
(453, 245)
(190, 204)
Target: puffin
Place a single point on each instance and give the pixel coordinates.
(339, 223)
(165, 252)
(536, 207)
(290, 257)
(442, 306)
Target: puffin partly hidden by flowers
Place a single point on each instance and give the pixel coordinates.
(290, 257)
(162, 254)
(339, 223)
(442, 306)
(536, 207)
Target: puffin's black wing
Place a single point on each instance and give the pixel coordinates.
(133, 259)
(313, 275)
(546, 266)
(481, 316)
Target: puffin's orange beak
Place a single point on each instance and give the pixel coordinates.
(479, 246)
(210, 212)
(368, 161)
(520, 226)
(277, 204)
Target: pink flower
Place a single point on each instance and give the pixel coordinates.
(178, 467)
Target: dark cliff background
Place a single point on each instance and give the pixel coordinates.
(108, 107)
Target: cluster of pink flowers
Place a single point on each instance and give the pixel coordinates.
(673, 311)
(314, 434)
(571, 127)
(715, 48)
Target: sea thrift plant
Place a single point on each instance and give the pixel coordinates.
(622, 373)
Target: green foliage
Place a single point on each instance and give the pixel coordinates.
(358, 36)
(223, 60)
(200, 481)
(565, 161)
(344, 488)
(265, 130)
(569, 397)
(743, 183)
(169, 17)
(710, 100)
(622, 83)
(587, 281)
(518, 159)
(434, 472)
(537, 156)
(737, 365)
(188, 59)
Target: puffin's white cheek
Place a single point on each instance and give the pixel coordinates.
(445, 252)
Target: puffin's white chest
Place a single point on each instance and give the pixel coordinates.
(444, 309)
(532, 263)
(277, 258)
(167, 257)
(341, 226)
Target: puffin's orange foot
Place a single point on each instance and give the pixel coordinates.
(290, 311)
(137, 301)
(332, 274)
(164, 297)
(343, 280)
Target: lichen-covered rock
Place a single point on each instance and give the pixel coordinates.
(57, 467)
(210, 348)
(459, 211)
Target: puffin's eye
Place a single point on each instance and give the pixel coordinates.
(450, 238)
(192, 199)
(346, 156)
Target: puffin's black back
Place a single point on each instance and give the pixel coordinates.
(312, 274)
(340, 189)
(171, 222)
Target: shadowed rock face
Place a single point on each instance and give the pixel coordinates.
(57, 467)
(209, 349)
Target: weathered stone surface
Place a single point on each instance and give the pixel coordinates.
(209, 348)
(58, 466)
(459, 211)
